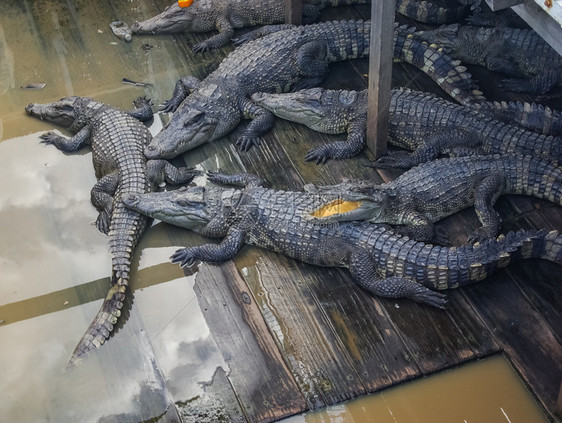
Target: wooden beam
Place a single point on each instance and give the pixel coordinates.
(293, 12)
(496, 5)
(545, 24)
(558, 410)
(380, 74)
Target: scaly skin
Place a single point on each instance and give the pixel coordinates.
(418, 121)
(225, 16)
(437, 189)
(117, 141)
(283, 61)
(534, 67)
(380, 261)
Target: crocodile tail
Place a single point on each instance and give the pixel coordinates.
(101, 327)
(427, 12)
(532, 116)
(446, 72)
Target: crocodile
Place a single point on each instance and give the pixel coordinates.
(283, 61)
(419, 121)
(533, 66)
(437, 189)
(225, 16)
(380, 261)
(117, 139)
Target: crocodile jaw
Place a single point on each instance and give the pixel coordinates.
(185, 207)
(303, 106)
(58, 112)
(172, 20)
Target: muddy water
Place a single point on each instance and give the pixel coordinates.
(54, 264)
(485, 391)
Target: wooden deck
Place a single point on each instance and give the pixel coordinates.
(317, 339)
(295, 337)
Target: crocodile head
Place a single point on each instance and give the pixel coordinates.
(317, 108)
(198, 120)
(350, 201)
(62, 112)
(188, 207)
(175, 19)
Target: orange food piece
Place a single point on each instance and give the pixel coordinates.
(185, 3)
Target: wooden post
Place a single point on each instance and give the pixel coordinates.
(293, 12)
(558, 410)
(380, 74)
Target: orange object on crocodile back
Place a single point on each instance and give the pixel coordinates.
(185, 3)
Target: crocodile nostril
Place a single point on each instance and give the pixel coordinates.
(151, 147)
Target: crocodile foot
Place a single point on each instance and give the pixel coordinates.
(320, 155)
(184, 256)
(481, 234)
(245, 142)
(201, 47)
(102, 222)
(170, 106)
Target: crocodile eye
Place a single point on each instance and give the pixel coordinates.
(182, 202)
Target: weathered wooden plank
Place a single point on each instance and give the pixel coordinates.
(293, 12)
(380, 75)
(522, 332)
(264, 386)
(314, 354)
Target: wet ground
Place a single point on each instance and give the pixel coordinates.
(55, 266)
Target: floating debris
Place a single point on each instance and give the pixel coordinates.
(136, 84)
(121, 30)
(34, 86)
(147, 46)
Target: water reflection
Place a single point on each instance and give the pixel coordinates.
(6, 66)
(48, 248)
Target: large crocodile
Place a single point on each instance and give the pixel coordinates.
(437, 189)
(283, 61)
(117, 141)
(225, 16)
(419, 121)
(380, 261)
(534, 66)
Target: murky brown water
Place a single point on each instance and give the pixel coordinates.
(487, 391)
(55, 266)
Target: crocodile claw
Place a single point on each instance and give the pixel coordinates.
(102, 222)
(201, 47)
(49, 138)
(432, 298)
(184, 256)
(246, 142)
(169, 106)
(320, 155)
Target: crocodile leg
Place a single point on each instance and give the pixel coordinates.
(418, 226)
(226, 31)
(159, 171)
(225, 250)
(143, 109)
(101, 197)
(362, 269)
(340, 149)
(312, 63)
(485, 196)
(68, 145)
(259, 33)
(433, 146)
(262, 121)
(183, 88)
(540, 84)
(244, 180)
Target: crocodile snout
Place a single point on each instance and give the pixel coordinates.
(29, 108)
